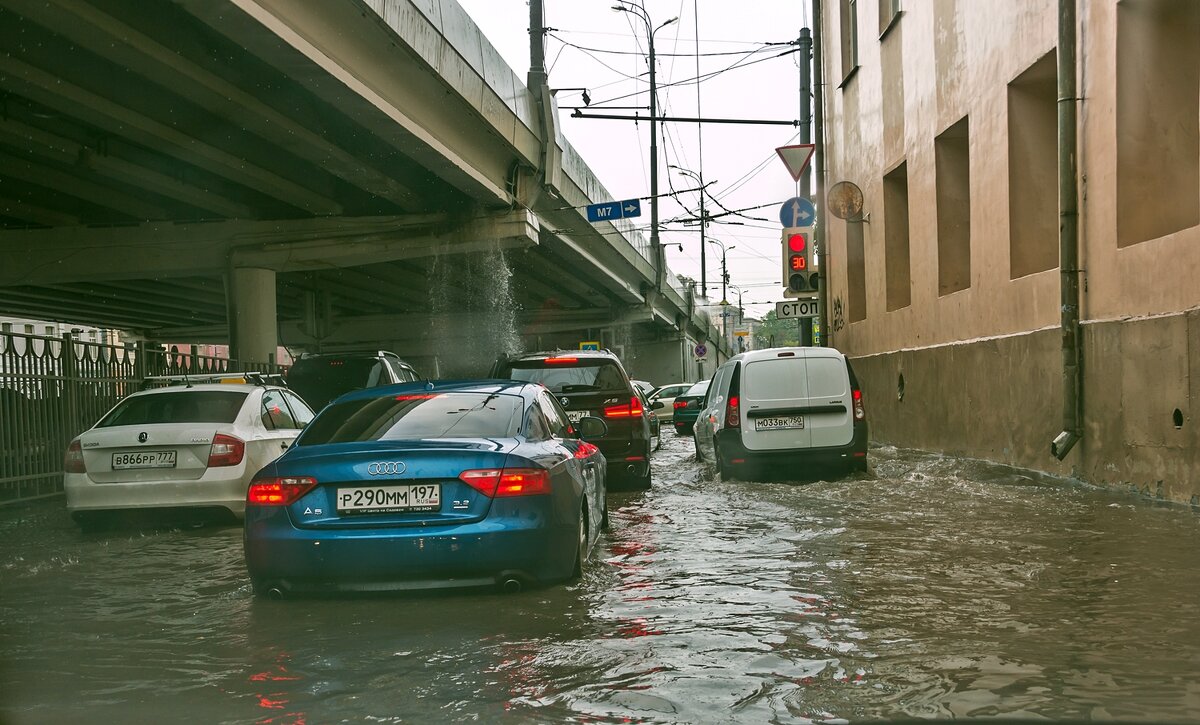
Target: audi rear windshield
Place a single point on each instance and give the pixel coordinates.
(416, 416)
(571, 376)
(184, 406)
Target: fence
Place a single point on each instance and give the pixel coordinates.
(54, 388)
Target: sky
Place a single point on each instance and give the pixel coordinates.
(744, 76)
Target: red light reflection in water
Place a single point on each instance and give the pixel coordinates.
(277, 700)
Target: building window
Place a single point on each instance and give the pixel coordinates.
(856, 271)
(1033, 169)
(1158, 118)
(849, 23)
(889, 10)
(953, 169)
(895, 238)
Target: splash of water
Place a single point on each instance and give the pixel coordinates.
(474, 313)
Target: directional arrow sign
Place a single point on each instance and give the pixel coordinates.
(795, 158)
(797, 212)
(612, 210)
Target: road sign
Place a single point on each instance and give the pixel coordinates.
(612, 210)
(791, 309)
(701, 350)
(796, 158)
(589, 345)
(797, 212)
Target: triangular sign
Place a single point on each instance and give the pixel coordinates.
(796, 158)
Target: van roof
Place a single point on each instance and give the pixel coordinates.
(803, 352)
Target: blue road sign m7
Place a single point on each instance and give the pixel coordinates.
(612, 210)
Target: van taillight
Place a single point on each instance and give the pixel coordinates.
(630, 410)
(860, 412)
(279, 491)
(733, 416)
(73, 459)
(226, 451)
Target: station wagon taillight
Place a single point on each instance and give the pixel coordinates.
(679, 404)
(73, 458)
(732, 415)
(500, 483)
(226, 451)
(629, 410)
(860, 412)
(279, 491)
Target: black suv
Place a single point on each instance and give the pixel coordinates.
(593, 382)
(319, 378)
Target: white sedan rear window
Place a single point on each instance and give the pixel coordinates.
(184, 406)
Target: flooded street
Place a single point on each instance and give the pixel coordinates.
(933, 587)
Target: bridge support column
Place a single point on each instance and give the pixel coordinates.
(252, 315)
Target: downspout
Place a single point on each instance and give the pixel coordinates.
(1068, 232)
(549, 176)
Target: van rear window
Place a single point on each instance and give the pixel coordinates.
(794, 377)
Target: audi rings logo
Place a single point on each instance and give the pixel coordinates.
(386, 468)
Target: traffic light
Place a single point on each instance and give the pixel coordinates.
(798, 274)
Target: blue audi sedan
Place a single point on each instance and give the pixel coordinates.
(429, 485)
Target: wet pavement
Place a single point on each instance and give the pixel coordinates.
(932, 587)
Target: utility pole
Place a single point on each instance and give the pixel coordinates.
(805, 43)
(699, 177)
(819, 162)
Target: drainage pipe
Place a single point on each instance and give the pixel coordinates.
(1068, 233)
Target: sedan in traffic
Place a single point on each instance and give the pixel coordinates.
(686, 407)
(426, 486)
(184, 451)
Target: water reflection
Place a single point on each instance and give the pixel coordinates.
(935, 588)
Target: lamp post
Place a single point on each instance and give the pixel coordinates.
(724, 283)
(703, 223)
(626, 6)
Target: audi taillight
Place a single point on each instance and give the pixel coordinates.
(860, 412)
(626, 410)
(501, 483)
(73, 458)
(585, 449)
(279, 491)
(732, 414)
(226, 451)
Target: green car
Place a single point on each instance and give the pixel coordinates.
(687, 407)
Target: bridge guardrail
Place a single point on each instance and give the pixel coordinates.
(53, 388)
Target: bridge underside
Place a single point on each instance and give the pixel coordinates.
(152, 152)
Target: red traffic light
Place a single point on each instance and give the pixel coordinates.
(797, 243)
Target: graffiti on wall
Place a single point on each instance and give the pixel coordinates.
(838, 319)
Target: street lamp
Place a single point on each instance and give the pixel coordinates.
(626, 6)
(724, 269)
(703, 222)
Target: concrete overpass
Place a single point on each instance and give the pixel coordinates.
(313, 173)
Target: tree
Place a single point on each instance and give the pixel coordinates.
(775, 332)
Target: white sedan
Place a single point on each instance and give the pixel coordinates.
(192, 448)
(667, 394)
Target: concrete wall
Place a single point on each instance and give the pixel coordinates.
(982, 365)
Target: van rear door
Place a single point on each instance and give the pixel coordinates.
(773, 392)
(829, 391)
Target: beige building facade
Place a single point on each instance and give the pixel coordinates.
(947, 293)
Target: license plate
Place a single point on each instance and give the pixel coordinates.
(786, 422)
(143, 459)
(388, 499)
(575, 415)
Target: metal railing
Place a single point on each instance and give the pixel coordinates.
(54, 388)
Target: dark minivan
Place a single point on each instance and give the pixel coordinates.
(321, 377)
(594, 383)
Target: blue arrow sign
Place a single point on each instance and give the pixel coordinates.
(612, 210)
(797, 212)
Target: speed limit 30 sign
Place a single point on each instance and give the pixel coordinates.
(791, 309)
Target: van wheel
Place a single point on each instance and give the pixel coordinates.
(722, 471)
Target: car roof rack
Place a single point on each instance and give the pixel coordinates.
(250, 378)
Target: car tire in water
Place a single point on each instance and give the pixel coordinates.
(581, 545)
(604, 515)
(722, 470)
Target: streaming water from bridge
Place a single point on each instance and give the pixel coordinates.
(474, 312)
(933, 587)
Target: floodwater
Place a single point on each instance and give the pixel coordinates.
(933, 587)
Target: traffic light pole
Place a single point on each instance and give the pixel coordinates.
(805, 43)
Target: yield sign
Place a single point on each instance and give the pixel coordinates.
(795, 158)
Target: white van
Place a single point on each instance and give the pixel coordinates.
(782, 409)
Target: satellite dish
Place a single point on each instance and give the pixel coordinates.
(846, 200)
